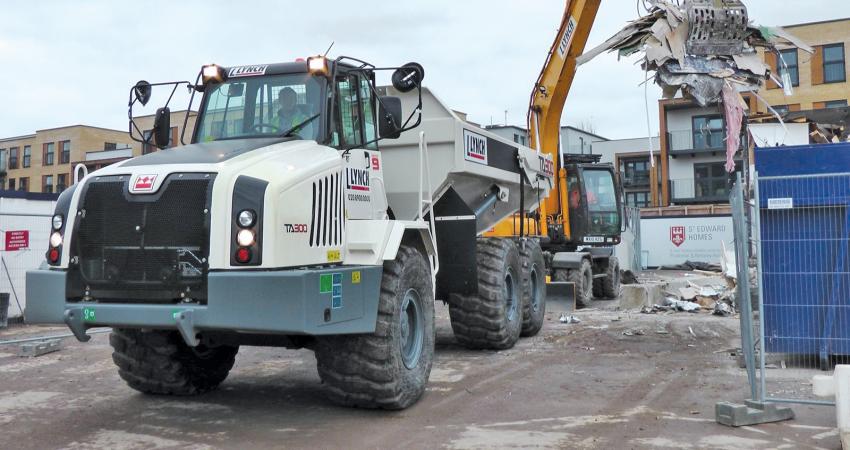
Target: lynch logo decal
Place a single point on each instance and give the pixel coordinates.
(357, 179)
(475, 147)
(564, 45)
(546, 166)
(247, 71)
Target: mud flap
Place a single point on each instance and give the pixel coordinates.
(560, 296)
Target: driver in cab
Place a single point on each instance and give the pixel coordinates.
(289, 114)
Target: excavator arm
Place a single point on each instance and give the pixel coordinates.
(549, 96)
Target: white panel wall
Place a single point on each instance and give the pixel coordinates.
(774, 134)
(21, 214)
(703, 237)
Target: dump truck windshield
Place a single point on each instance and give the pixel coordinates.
(261, 107)
(601, 202)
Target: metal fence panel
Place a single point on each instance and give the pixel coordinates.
(801, 233)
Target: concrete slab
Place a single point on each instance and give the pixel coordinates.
(637, 296)
(38, 348)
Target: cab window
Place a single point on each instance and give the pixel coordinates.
(367, 103)
(348, 131)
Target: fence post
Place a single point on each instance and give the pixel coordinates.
(752, 411)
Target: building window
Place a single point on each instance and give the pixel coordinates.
(27, 156)
(711, 180)
(789, 57)
(65, 155)
(147, 146)
(11, 184)
(639, 199)
(24, 184)
(110, 146)
(833, 63)
(835, 104)
(2, 159)
(781, 109)
(47, 153)
(47, 184)
(635, 171)
(61, 182)
(13, 157)
(708, 132)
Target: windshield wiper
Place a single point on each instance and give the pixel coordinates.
(300, 125)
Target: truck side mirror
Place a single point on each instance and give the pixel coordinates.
(142, 92)
(389, 117)
(162, 127)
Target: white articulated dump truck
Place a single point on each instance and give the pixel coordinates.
(307, 211)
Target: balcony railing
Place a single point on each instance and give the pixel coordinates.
(689, 142)
(636, 180)
(707, 190)
(104, 155)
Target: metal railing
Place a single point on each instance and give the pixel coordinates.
(709, 190)
(689, 141)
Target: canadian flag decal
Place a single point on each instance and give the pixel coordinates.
(143, 183)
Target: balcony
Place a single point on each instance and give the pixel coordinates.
(108, 155)
(636, 180)
(686, 142)
(690, 191)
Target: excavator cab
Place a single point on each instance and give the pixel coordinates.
(593, 201)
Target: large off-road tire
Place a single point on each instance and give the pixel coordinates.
(491, 319)
(582, 278)
(389, 368)
(160, 362)
(611, 282)
(598, 291)
(533, 287)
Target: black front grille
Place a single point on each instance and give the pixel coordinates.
(156, 243)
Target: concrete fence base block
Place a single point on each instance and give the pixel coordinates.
(837, 385)
(637, 296)
(750, 413)
(32, 349)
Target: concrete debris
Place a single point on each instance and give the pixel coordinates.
(681, 305)
(566, 318)
(722, 309)
(628, 277)
(637, 332)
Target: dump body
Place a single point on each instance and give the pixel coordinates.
(471, 161)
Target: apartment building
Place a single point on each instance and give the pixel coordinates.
(45, 160)
(818, 80)
(573, 140)
(631, 158)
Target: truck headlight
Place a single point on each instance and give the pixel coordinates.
(246, 218)
(245, 238)
(58, 221)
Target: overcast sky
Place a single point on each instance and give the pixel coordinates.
(69, 62)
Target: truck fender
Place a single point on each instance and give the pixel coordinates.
(371, 242)
(569, 260)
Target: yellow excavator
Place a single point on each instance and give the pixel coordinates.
(580, 221)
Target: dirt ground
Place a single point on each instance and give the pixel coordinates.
(580, 385)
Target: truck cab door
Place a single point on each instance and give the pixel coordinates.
(355, 128)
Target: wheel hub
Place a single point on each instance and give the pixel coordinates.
(412, 327)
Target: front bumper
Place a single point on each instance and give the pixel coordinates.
(337, 300)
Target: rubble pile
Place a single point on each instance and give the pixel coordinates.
(708, 294)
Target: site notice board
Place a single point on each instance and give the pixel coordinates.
(16, 240)
(668, 241)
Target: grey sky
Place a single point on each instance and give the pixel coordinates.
(66, 62)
